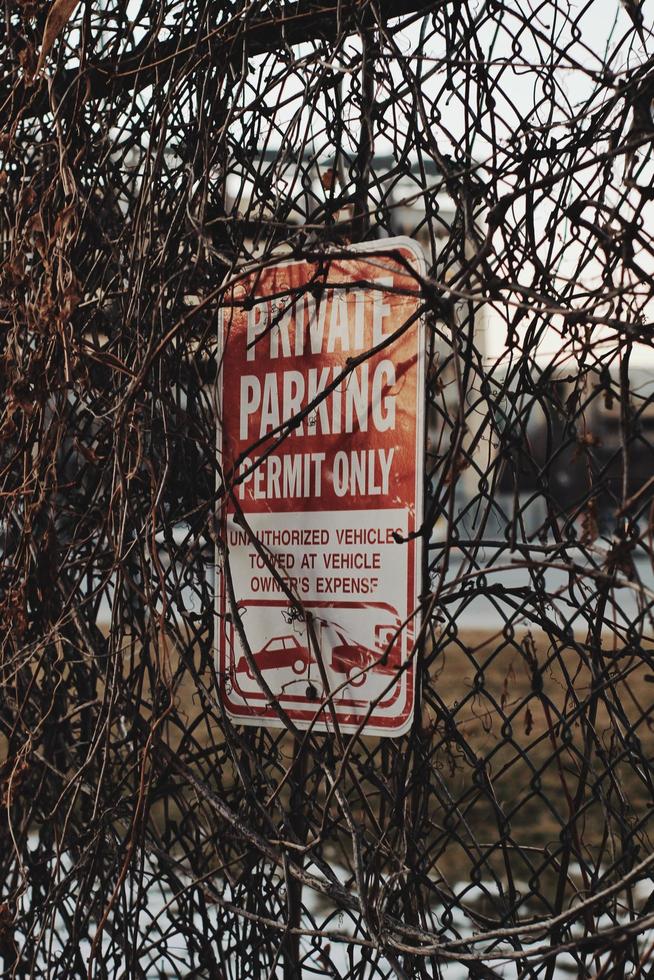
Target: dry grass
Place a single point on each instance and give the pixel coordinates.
(527, 772)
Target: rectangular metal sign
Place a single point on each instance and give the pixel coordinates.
(321, 442)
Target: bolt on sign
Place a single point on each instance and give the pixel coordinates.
(321, 442)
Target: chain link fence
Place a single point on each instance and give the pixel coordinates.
(155, 154)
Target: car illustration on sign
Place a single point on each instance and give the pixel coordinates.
(344, 651)
(351, 658)
(280, 651)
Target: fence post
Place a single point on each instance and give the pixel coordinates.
(298, 824)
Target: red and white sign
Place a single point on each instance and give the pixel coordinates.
(322, 456)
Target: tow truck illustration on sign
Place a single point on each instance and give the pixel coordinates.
(289, 650)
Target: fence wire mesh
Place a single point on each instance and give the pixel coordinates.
(154, 154)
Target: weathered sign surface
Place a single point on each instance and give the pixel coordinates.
(322, 451)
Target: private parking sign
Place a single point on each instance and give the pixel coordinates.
(321, 445)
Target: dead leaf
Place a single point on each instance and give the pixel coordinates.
(427, 721)
(506, 689)
(589, 439)
(328, 178)
(529, 721)
(27, 61)
(459, 464)
(589, 525)
(58, 16)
